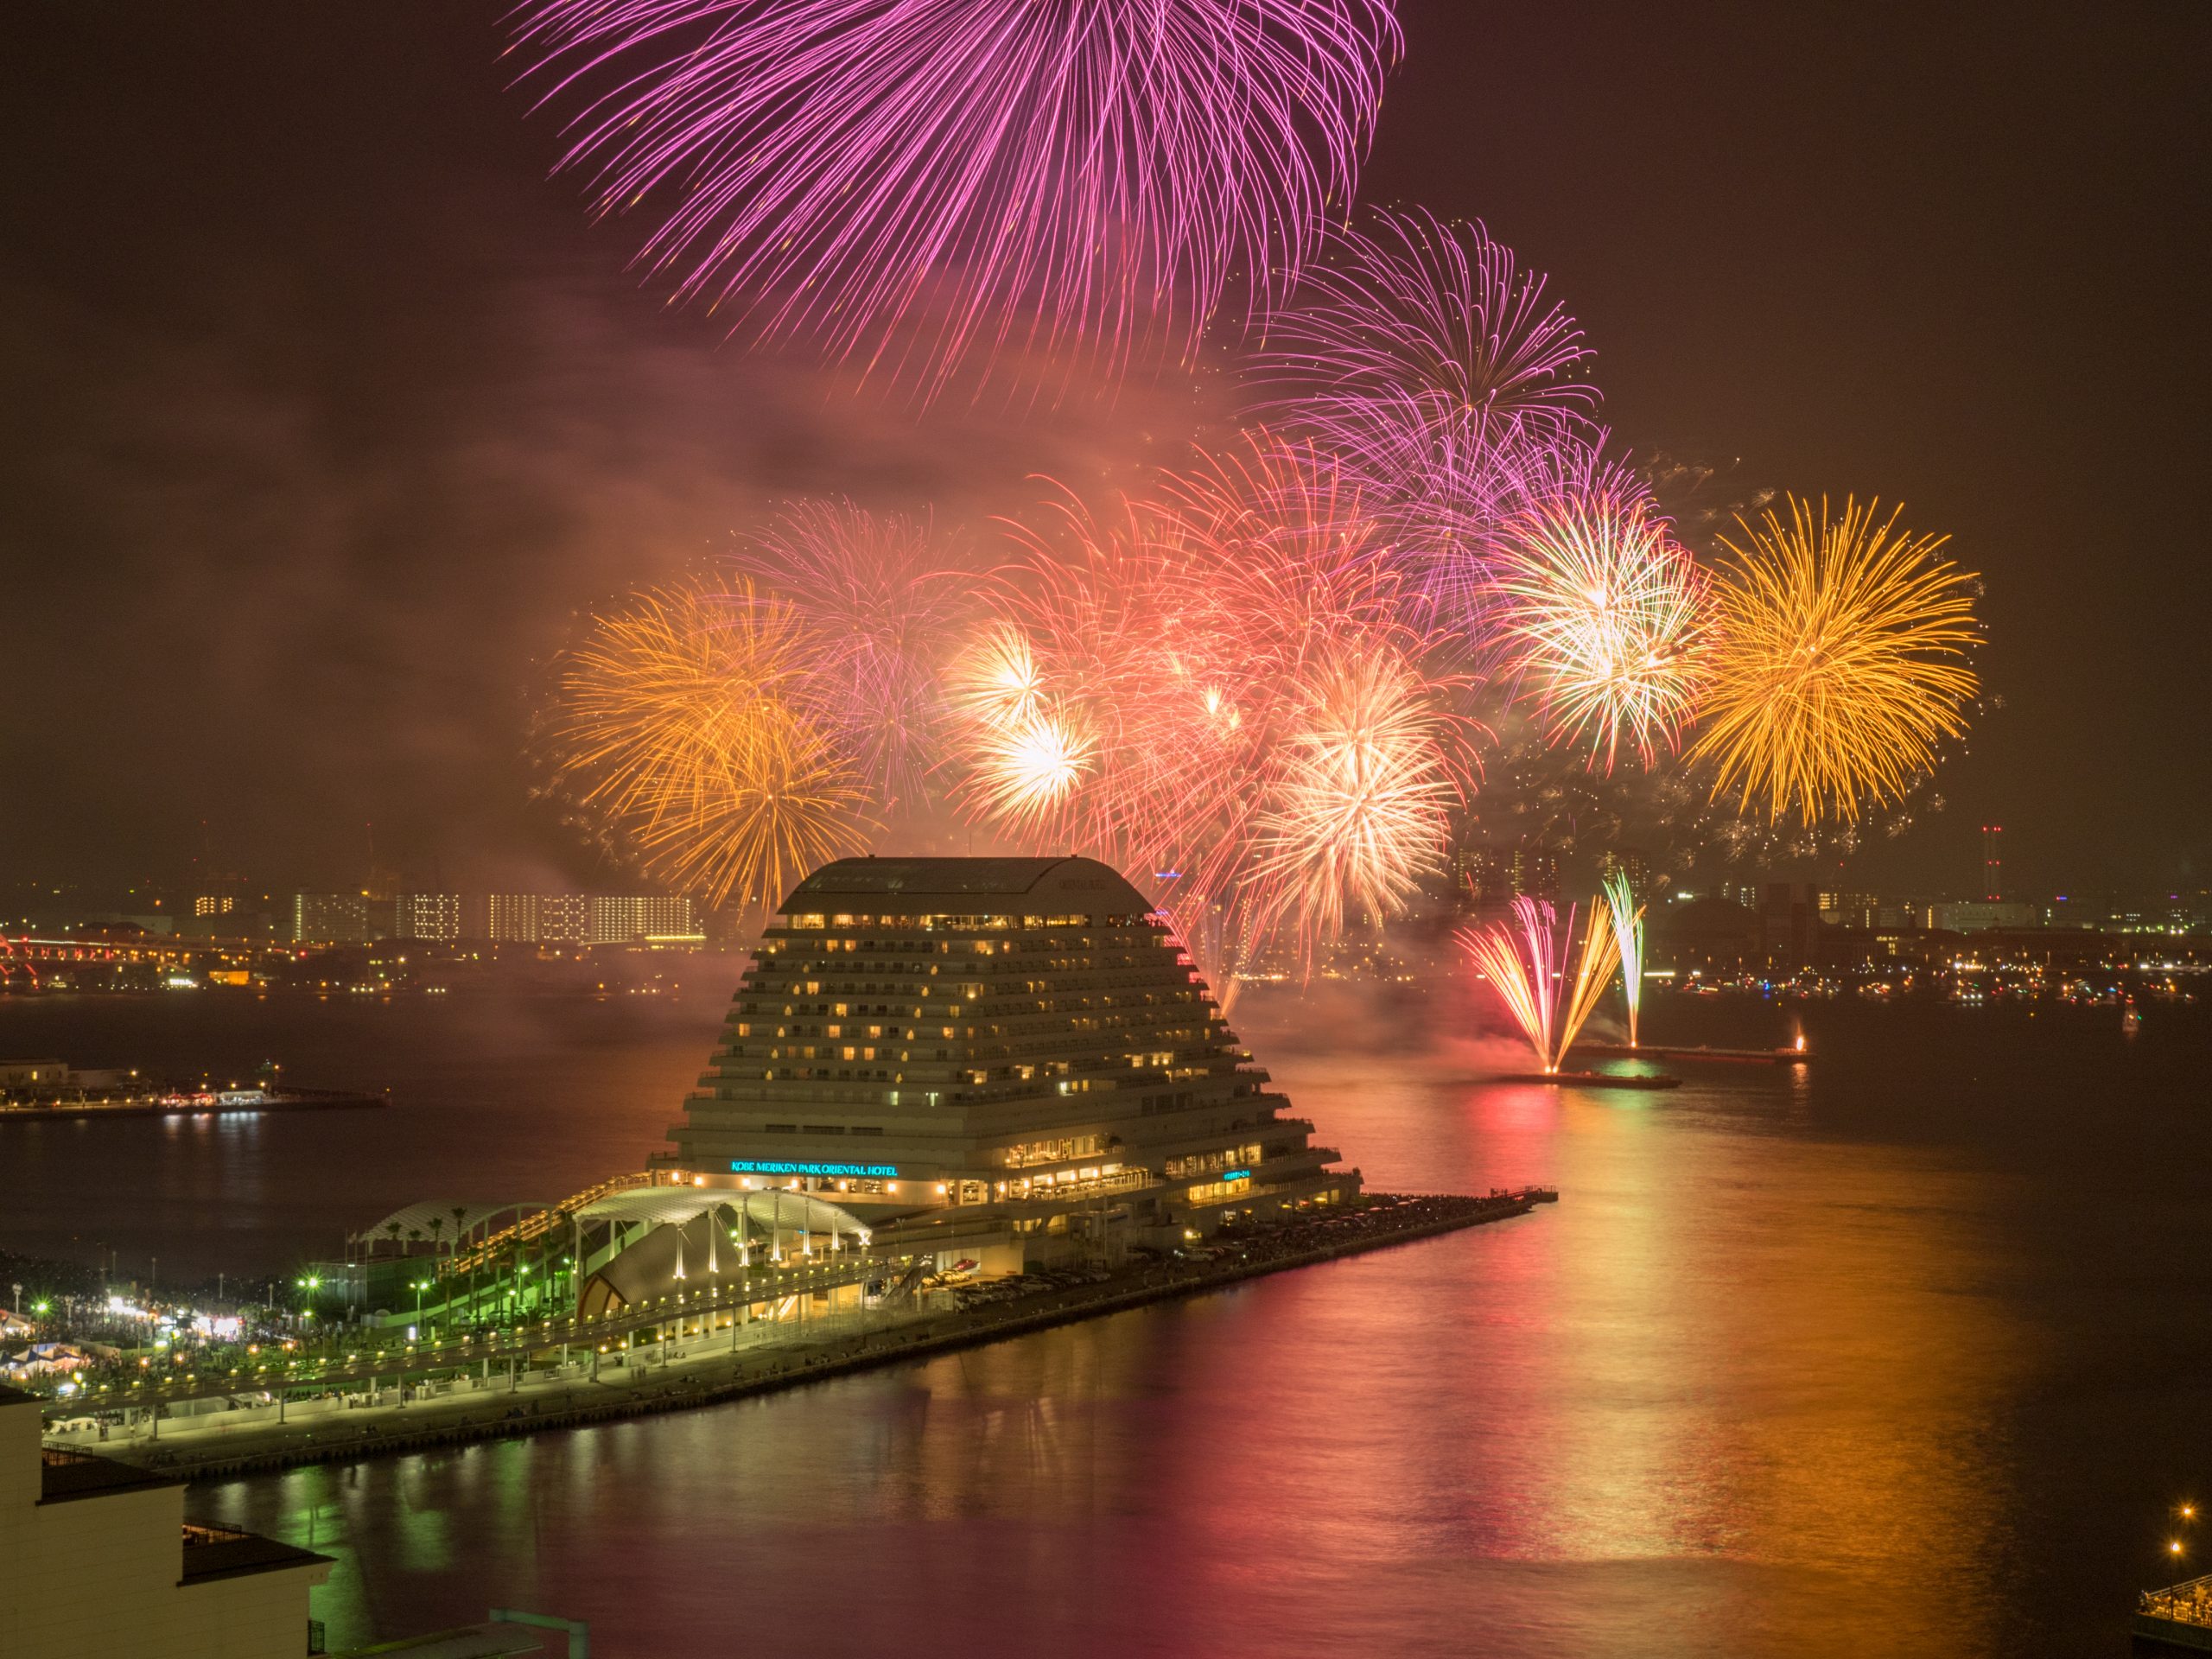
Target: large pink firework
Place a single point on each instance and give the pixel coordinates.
(935, 189)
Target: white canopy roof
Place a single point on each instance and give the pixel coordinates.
(680, 1205)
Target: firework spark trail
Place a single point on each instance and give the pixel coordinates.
(1835, 667)
(1601, 606)
(689, 727)
(923, 186)
(1525, 960)
(879, 596)
(1627, 918)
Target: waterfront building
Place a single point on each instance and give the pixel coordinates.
(96, 1557)
(435, 916)
(339, 918)
(1010, 1059)
(1970, 917)
(1853, 910)
(585, 919)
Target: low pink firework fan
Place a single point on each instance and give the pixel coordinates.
(1524, 958)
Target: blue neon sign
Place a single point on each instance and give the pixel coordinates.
(761, 1167)
(1236, 1174)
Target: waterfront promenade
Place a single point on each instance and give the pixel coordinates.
(519, 1382)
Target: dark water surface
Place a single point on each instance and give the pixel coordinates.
(1908, 1353)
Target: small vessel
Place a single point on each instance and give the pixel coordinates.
(2131, 1019)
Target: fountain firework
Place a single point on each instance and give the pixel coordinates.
(1525, 958)
(1627, 917)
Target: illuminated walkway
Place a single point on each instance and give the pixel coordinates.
(362, 1361)
(701, 1358)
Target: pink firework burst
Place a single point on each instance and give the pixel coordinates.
(1417, 351)
(878, 594)
(938, 189)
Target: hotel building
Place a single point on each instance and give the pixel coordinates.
(1009, 1059)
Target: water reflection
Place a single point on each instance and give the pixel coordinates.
(1728, 1376)
(1759, 1384)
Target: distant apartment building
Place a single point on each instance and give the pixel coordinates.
(622, 918)
(580, 918)
(587, 918)
(427, 916)
(339, 918)
(1861, 910)
(1630, 863)
(1489, 876)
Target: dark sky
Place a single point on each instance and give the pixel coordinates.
(325, 410)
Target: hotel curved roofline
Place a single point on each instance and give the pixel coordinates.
(955, 883)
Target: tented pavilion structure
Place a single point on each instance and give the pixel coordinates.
(634, 1246)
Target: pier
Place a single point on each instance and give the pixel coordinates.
(228, 1103)
(700, 1348)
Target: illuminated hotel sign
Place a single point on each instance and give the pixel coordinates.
(751, 1167)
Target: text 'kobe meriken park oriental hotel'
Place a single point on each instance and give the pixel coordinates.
(1004, 1060)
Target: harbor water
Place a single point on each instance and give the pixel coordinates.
(1904, 1351)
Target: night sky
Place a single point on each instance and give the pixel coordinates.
(328, 411)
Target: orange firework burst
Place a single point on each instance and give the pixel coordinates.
(1836, 666)
(689, 726)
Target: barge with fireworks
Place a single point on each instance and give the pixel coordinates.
(1795, 1054)
(1593, 1079)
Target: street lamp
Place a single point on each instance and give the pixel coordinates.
(420, 1286)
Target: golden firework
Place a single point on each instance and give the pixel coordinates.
(1836, 662)
(690, 725)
